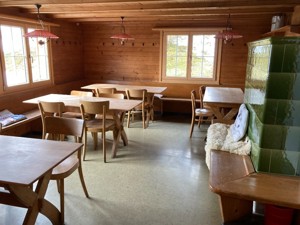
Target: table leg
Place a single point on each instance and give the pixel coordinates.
(224, 117)
(120, 133)
(24, 196)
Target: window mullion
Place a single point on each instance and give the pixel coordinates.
(28, 61)
(189, 57)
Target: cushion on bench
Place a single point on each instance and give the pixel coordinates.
(219, 137)
(7, 117)
(239, 128)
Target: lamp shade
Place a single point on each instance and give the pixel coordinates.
(228, 36)
(40, 34)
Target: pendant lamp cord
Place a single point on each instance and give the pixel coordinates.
(122, 25)
(38, 6)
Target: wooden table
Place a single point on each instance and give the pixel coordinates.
(24, 161)
(123, 87)
(118, 106)
(224, 102)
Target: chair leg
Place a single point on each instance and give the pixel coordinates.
(148, 117)
(143, 117)
(104, 146)
(128, 119)
(192, 126)
(58, 186)
(84, 144)
(95, 139)
(152, 114)
(62, 201)
(82, 181)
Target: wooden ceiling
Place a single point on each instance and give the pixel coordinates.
(150, 10)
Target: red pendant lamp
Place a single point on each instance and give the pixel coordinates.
(123, 37)
(41, 34)
(228, 35)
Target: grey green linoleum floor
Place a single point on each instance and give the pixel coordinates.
(160, 178)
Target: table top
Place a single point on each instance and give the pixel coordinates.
(123, 87)
(24, 160)
(74, 101)
(223, 95)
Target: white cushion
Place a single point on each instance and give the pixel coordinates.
(239, 128)
(219, 138)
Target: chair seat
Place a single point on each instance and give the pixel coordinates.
(203, 111)
(96, 124)
(71, 115)
(65, 168)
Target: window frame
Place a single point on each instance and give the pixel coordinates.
(188, 78)
(25, 26)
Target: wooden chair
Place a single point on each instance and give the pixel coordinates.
(58, 127)
(199, 114)
(94, 124)
(109, 95)
(81, 94)
(105, 91)
(145, 107)
(55, 109)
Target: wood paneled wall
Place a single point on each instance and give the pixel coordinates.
(85, 54)
(138, 62)
(67, 53)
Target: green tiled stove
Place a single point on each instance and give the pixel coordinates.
(272, 96)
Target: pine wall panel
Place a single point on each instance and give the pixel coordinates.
(138, 62)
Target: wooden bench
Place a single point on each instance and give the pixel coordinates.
(234, 179)
(173, 99)
(31, 123)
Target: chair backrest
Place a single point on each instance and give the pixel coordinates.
(139, 94)
(60, 127)
(116, 95)
(89, 108)
(193, 100)
(201, 94)
(82, 93)
(52, 109)
(105, 90)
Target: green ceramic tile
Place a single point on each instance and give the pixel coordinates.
(280, 85)
(270, 111)
(264, 160)
(284, 112)
(298, 166)
(260, 111)
(292, 142)
(273, 137)
(288, 113)
(255, 153)
(254, 126)
(281, 164)
(276, 58)
(296, 87)
(291, 58)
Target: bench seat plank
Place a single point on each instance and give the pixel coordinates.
(265, 188)
(228, 167)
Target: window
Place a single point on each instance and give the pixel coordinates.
(190, 56)
(24, 61)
